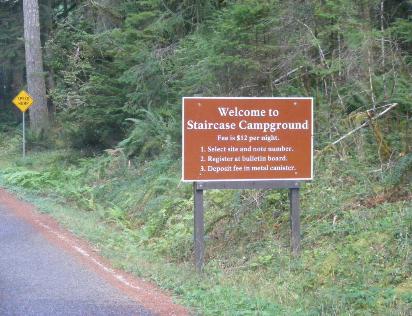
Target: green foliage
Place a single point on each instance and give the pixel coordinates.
(10, 142)
(154, 52)
(401, 172)
(120, 71)
(153, 134)
(111, 61)
(11, 59)
(28, 179)
(229, 49)
(356, 257)
(401, 28)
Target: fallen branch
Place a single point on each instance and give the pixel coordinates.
(286, 75)
(323, 60)
(389, 107)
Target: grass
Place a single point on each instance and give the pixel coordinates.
(356, 257)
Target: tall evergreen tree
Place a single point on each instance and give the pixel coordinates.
(34, 65)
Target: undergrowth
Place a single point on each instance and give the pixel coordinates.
(356, 241)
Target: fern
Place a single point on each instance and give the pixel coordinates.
(152, 134)
(29, 179)
(401, 173)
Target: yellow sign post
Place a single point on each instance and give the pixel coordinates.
(23, 101)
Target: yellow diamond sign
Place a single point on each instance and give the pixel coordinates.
(23, 101)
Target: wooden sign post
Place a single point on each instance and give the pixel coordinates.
(246, 143)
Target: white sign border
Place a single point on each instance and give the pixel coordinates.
(248, 98)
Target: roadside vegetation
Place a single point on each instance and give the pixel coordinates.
(356, 229)
(109, 167)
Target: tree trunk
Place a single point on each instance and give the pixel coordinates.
(34, 66)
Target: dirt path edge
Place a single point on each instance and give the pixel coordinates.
(139, 290)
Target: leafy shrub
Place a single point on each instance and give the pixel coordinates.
(151, 135)
(401, 172)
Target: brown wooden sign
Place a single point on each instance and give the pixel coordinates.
(250, 139)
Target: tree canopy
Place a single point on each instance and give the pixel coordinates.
(110, 60)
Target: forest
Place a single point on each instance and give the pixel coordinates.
(107, 164)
